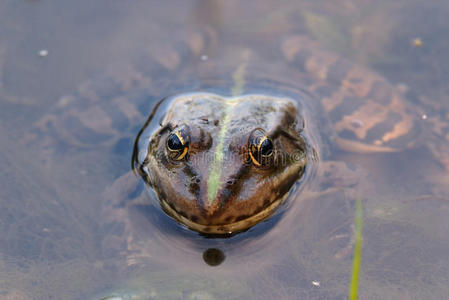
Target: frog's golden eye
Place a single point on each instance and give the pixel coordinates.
(260, 147)
(178, 143)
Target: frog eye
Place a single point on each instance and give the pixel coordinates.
(260, 147)
(178, 143)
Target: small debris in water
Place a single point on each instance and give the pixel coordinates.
(316, 283)
(43, 53)
(402, 87)
(424, 117)
(204, 57)
(417, 42)
(357, 123)
(200, 295)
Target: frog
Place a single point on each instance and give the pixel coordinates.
(238, 157)
(209, 154)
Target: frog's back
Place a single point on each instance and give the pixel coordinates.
(364, 112)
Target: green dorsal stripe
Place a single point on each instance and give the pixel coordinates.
(214, 182)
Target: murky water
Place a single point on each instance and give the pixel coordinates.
(62, 238)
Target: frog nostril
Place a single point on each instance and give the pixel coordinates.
(230, 182)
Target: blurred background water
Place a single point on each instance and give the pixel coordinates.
(50, 231)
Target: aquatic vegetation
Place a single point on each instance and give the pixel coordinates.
(357, 260)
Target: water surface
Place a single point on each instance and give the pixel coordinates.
(53, 240)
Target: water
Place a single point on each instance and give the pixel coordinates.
(55, 241)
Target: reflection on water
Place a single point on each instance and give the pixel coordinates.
(67, 229)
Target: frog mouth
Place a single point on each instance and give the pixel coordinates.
(224, 229)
